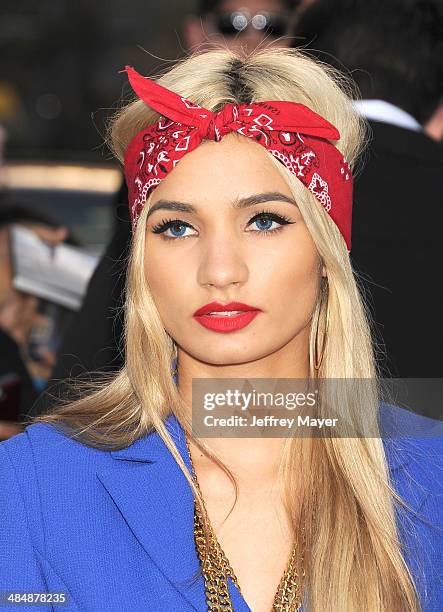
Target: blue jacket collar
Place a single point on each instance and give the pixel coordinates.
(156, 501)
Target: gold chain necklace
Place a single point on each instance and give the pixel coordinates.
(217, 568)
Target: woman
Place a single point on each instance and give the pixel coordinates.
(240, 197)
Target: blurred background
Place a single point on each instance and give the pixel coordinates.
(60, 83)
(59, 66)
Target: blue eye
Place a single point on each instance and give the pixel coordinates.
(265, 219)
(175, 226)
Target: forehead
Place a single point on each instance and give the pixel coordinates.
(233, 166)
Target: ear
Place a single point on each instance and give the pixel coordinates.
(323, 271)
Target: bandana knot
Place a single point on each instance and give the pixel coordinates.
(214, 126)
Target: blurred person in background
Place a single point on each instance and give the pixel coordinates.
(240, 24)
(22, 373)
(94, 341)
(394, 51)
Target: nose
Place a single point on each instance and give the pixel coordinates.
(222, 263)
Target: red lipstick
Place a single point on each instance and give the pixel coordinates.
(235, 316)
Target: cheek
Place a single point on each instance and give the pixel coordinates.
(159, 260)
(167, 279)
(293, 284)
(157, 275)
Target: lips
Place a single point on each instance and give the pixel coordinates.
(218, 307)
(233, 316)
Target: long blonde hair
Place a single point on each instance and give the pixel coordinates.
(351, 549)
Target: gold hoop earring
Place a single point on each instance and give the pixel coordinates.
(174, 359)
(318, 362)
(174, 368)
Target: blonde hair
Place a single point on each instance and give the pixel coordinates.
(352, 553)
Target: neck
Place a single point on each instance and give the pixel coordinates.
(256, 460)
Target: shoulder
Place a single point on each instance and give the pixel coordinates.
(414, 453)
(414, 445)
(43, 456)
(45, 477)
(44, 443)
(406, 143)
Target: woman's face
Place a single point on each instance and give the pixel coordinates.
(239, 237)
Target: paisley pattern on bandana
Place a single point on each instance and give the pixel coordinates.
(291, 132)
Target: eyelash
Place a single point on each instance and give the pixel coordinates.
(165, 224)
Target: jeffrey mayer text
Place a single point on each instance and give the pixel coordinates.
(268, 421)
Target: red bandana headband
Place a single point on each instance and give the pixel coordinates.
(293, 133)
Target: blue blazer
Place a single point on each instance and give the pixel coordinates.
(114, 530)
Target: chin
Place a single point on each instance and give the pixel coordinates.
(229, 354)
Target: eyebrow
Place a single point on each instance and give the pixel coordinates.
(252, 200)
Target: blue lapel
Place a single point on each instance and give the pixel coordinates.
(156, 501)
